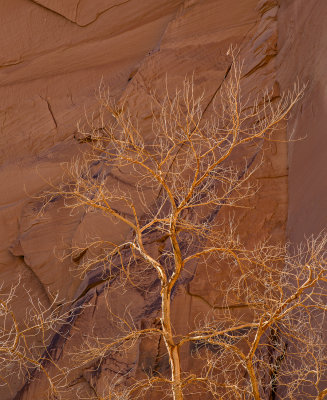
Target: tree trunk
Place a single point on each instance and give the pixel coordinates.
(172, 349)
(254, 382)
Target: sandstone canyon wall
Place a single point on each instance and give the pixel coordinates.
(54, 55)
(302, 55)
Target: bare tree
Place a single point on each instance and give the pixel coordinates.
(172, 186)
(24, 342)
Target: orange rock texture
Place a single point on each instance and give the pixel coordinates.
(54, 55)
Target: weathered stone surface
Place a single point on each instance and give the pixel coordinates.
(301, 57)
(54, 55)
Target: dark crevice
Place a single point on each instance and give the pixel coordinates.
(80, 379)
(54, 11)
(91, 286)
(11, 63)
(76, 12)
(261, 64)
(275, 361)
(213, 306)
(77, 257)
(50, 111)
(156, 365)
(55, 349)
(217, 90)
(101, 13)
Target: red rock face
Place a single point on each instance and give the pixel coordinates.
(55, 54)
(302, 46)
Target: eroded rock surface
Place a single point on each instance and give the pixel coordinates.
(54, 55)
